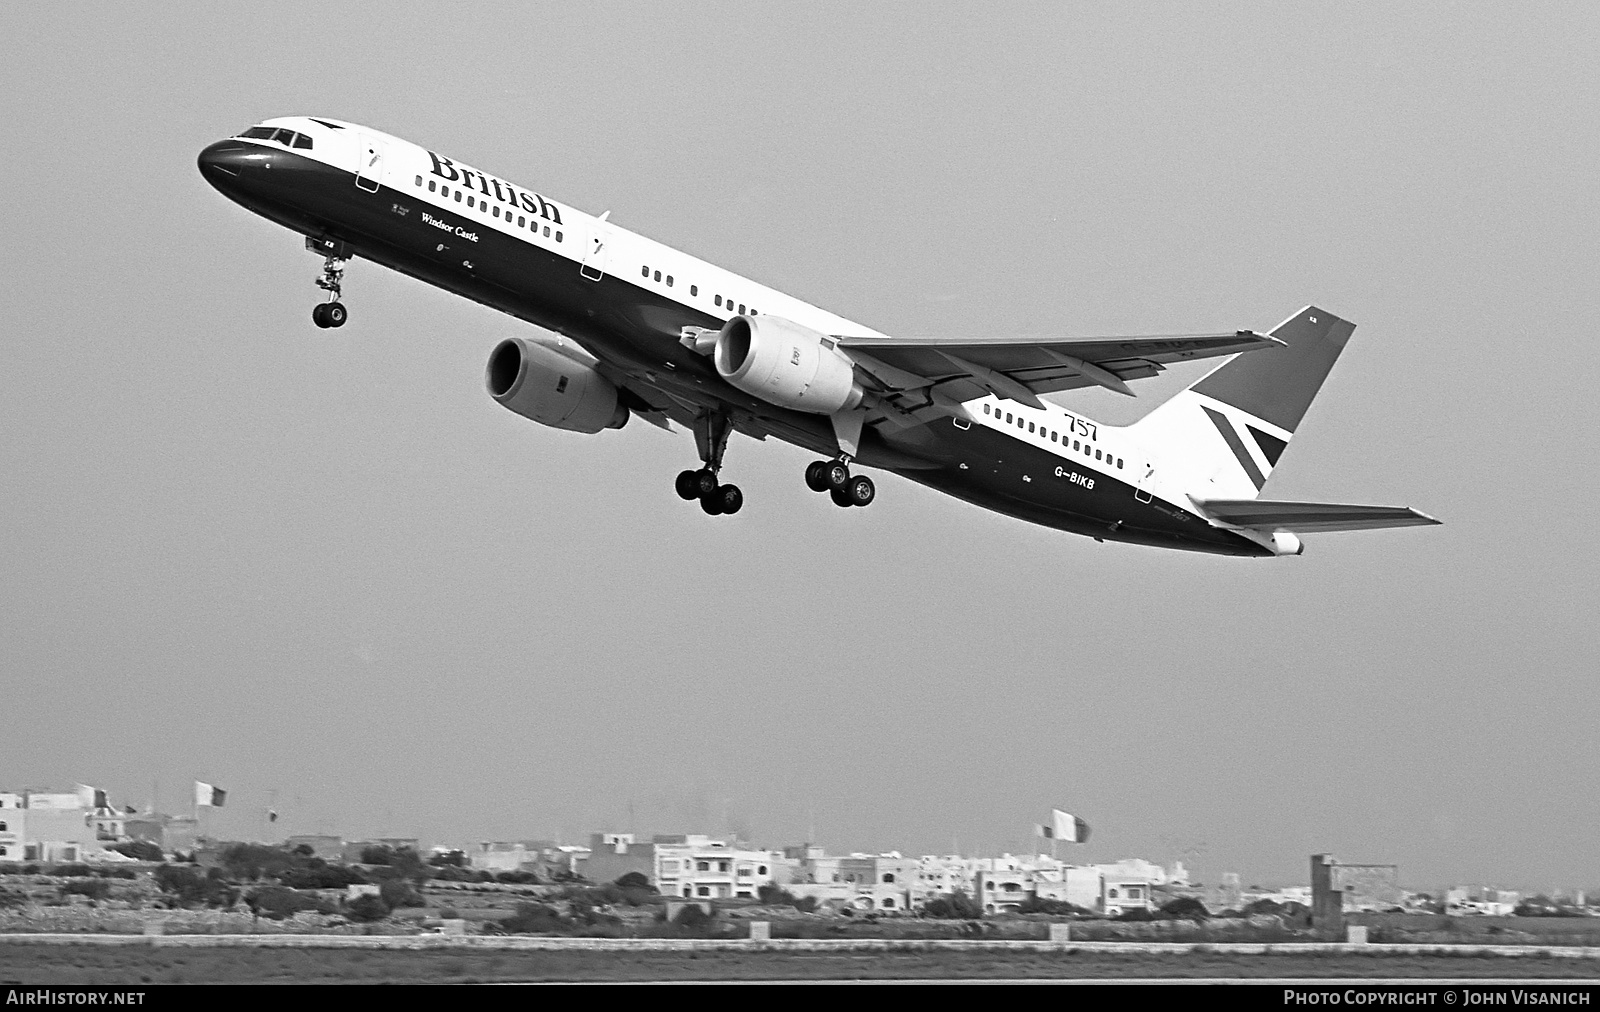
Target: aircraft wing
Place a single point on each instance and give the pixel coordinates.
(1311, 517)
(951, 370)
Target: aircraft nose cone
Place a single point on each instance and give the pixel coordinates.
(222, 163)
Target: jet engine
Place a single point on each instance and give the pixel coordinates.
(554, 384)
(787, 364)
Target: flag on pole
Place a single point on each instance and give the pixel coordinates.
(1064, 827)
(206, 794)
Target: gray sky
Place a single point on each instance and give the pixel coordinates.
(242, 549)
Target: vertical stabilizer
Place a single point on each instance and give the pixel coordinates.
(1222, 437)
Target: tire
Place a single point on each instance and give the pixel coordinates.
(319, 315)
(840, 496)
(711, 504)
(688, 485)
(336, 314)
(707, 483)
(730, 499)
(862, 491)
(816, 478)
(836, 473)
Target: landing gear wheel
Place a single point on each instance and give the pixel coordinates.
(840, 496)
(319, 315)
(861, 491)
(836, 473)
(711, 504)
(335, 314)
(705, 482)
(688, 485)
(729, 498)
(816, 476)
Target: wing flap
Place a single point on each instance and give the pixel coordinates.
(1311, 517)
(971, 367)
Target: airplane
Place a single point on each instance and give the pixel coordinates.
(631, 327)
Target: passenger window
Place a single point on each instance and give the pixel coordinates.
(1052, 435)
(741, 307)
(1074, 444)
(432, 186)
(472, 201)
(1096, 454)
(754, 313)
(497, 210)
(1119, 463)
(986, 409)
(694, 289)
(717, 300)
(644, 272)
(1030, 426)
(1008, 418)
(669, 280)
(658, 276)
(521, 221)
(419, 182)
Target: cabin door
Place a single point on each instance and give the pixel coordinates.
(598, 250)
(369, 173)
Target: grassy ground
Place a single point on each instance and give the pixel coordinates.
(63, 964)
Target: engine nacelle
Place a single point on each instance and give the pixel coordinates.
(787, 364)
(553, 385)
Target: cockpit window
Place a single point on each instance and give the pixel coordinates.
(288, 138)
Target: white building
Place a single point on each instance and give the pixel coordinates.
(702, 868)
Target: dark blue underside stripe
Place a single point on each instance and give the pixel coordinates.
(1236, 444)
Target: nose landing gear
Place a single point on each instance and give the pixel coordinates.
(334, 256)
(834, 478)
(711, 439)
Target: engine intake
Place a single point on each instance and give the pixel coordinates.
(550, 384)
(786, 364)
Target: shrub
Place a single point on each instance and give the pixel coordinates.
(532, 918)
(12, 898)
(635, 880)
(322, 876)
(188, 885)
(1055, 908)
(955, 906)
(367, 908)
(517, 878)
(400, 893)
(277, 902)
(449, 913)
(95, 889)
(693, 918)
(1135, 914)
(1184, 908)
(775, 895)
(72, 871)
(10, 868)
(139, 850)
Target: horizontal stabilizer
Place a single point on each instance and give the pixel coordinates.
(1310, 517)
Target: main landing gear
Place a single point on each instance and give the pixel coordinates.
(333, 311)
(711, 439)
(834, 478)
